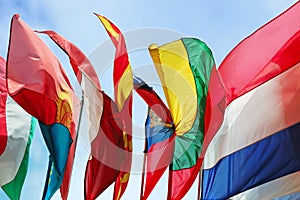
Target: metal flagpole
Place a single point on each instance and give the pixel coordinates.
(199, 183)
(143, 173)
(144, 161)
(79, 121)
(76, 138)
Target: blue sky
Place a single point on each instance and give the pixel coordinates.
(221, 24)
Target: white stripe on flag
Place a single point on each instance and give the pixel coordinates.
(280, 187)
(93, 105)
(18, 129)
(259, 113)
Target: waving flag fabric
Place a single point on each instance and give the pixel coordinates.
(14, 161)
(257, 142)
(38, 83)
(87, 77)
(80, 63)
(123, 81)
(123, 85)
(285, 186)
(159, 136)
(289, 197)
(103, 119)
(16, 132)
(107, 152)
(159, 149)
(184, 68)
(152, 99)
(3, 97)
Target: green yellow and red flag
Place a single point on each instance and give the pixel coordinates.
(184, 67)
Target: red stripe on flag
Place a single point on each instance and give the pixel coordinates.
(121, 61)
(3, 97)
(37, 81)
(155, 103)
(122, 181)
(267, 52)
(77, 58)
(114, 27)
(214, 114)
(176, 181)
(107, 152)
(159, 157)
(123, 98)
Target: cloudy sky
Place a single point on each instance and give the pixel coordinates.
(220, 24)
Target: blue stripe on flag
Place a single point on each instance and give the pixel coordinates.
(268, 159)
(156, 133)
(58, 141)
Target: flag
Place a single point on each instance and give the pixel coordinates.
(3, 97)
(159, 129)
(79, 62)
(123, 80)
(107, 152)
(289, 197)
(257, 141)
(123, 85)
(104, 126)
(14, 161)
(16, 133)
(184, 67)
(90, 84)
(37, 82)
(152, 99)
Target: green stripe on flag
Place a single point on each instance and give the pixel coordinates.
(189, 145)
(13, 189)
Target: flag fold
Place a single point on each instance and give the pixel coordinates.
(104, 123)
(37, 82)
(184, 67)
(255, 144)
(16, 133)
(123, 85)
(159, 130)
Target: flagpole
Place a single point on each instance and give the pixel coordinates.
(170, 184)
(143, 172)
(144, 160)
(79, 120)
(76, 138)
(199, 184)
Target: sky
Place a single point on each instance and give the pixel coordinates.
(220, 24)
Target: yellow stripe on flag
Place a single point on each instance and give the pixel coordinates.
(109, 27)
(172, 65)
(124, 87)
(64, 108)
